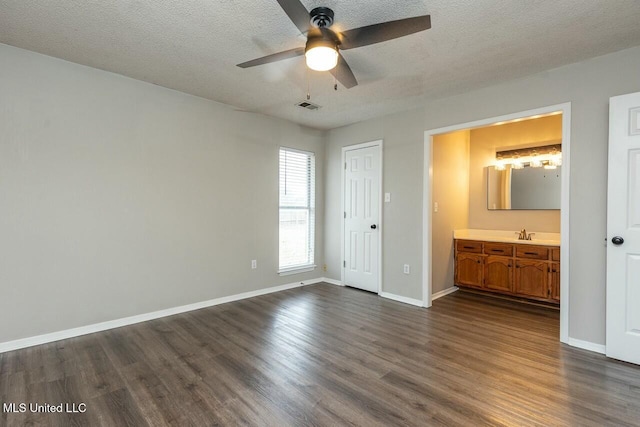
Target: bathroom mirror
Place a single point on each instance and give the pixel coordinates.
(523, 189)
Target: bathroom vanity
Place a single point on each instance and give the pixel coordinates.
(498, 262)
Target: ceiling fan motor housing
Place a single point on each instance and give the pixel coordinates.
(322, 37)
(321, 17)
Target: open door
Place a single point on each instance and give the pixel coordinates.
(623, 229)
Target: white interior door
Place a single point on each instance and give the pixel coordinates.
(362, 217)
(623, 229)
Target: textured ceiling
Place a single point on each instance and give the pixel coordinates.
(193, 46)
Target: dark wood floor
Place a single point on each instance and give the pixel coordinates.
(325, 355)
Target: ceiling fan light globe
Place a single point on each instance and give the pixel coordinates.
(321, 58)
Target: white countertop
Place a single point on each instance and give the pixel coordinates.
(504, 236)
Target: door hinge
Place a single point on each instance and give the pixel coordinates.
(344, 264)
(345, 165)
(345, 214)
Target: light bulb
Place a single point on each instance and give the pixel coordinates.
(321, 58)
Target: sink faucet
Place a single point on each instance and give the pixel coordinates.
(522, 235)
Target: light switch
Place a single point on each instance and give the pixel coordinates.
(387, 197)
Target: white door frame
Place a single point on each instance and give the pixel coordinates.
(427, 201)
(377, 143)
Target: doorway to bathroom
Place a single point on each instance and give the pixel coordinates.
(496, 209)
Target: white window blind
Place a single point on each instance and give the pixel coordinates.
(297, 209)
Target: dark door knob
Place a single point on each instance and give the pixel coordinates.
(617, 240)
(373, 226)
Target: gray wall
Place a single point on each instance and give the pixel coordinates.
(119, 197)
(587, 85)
(402, 175)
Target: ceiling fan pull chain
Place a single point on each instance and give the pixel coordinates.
(308, 84)
(335, 80)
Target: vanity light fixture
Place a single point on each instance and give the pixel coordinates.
(500, 166)
(517, 163)
(547, 156)
(535, 162)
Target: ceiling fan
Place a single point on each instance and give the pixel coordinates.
(322, 50)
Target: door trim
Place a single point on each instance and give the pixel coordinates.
(377, 143)
(565, 109)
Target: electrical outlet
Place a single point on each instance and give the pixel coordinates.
(435, 207)
(407, 269)
(324, 267)
(254, 264)
(387, 197)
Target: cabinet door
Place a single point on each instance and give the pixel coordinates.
(498, 273)
(469, 270)
(554, 281)
(532, 278)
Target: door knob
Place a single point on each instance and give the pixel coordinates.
(617, 240)
(373, 226)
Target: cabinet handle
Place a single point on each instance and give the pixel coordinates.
(517, 266)
(497, 250)
(469, 247)
(478, 261)
(509, 265)
(531, 253)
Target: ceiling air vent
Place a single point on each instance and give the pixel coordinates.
(308, 105)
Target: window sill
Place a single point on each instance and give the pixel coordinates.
(296, 270)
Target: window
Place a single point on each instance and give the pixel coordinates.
(297, 210)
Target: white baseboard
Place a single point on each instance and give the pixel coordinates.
(443, 293)
(586, 345)
(332, 281)
(117, 323)
(399, 298)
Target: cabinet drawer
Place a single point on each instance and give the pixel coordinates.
(469, 246)
(532, 252)
(499, 249)
(555, 254)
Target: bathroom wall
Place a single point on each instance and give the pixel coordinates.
(451, 193)
(483, 145)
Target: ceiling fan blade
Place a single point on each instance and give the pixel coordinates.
(377, 33)
(291, 53)
(298, 14)
(342, 72)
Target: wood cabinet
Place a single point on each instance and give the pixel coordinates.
(523, 270)
(532, 279)
(554, 281)
(498, 273)
(469, 270)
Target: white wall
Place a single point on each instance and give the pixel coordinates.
(587, 85)
(119, 197)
